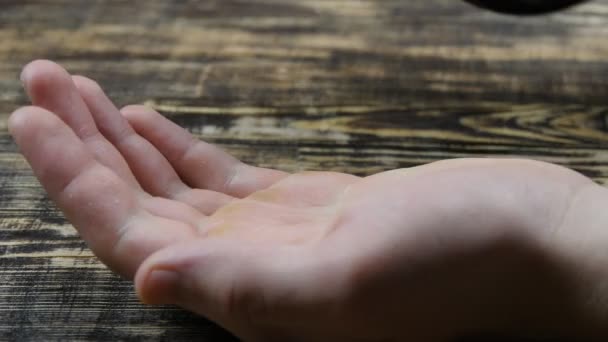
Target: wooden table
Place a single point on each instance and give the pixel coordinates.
(358, 86)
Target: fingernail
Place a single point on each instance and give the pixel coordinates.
(160, 287)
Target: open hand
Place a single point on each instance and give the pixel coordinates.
(415, 254)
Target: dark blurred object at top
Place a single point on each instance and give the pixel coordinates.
(525, 7)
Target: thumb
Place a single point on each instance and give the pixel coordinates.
(241, 287)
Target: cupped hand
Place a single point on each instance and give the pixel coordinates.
(414, 254)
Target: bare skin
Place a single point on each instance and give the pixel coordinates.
(428, 253)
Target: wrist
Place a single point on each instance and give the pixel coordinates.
(580, 245)
(559, 282)
(551, 283)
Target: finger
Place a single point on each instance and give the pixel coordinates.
(200, 164)
(140, 154)
(49, 86)
(104, 210)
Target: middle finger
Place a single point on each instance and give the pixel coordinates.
(50, 86)
(153, 171)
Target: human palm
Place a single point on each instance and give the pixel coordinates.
(271, 255)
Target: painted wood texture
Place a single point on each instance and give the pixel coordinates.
(358, 86)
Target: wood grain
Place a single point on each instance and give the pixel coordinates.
(358, 86)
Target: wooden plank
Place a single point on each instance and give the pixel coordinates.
(357, 86)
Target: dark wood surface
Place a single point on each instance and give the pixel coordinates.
(359, 86)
